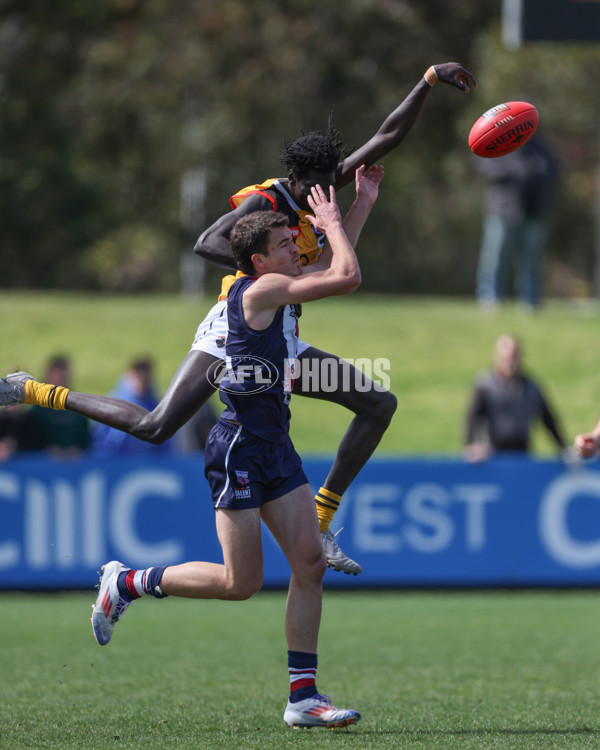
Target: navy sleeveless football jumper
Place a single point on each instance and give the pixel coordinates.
(249, 456)
(257, 386)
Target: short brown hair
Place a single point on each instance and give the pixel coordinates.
(251, 234)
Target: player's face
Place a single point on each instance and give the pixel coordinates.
(283, 256)
(300, 187)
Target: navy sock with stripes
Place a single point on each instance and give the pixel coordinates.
(136, 583)
(302, 667)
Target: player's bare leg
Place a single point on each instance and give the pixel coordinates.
(293, 522)
(188, 390)
(241, 574)
(239, 577)
(373, 408)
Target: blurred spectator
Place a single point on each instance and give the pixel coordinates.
(10, 431)
(517, 204)
(192, 436)
(504, 406)
(62, 433)
(136, 386)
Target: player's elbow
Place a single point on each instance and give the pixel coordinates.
(357, 281)
(214, 247)
(203, 246)
(351, 282)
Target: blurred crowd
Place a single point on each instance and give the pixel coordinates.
(504, 407)
(66, 434)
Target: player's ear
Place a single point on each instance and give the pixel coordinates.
(258, 261)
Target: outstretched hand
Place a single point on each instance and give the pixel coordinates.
(586, 446)
(367, 182)
(454, 74)
(326, 211)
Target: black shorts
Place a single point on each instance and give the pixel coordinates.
(246, 471)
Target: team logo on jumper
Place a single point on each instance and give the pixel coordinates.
(243, 375)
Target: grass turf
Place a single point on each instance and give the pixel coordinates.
(436, 669)
(461, 670)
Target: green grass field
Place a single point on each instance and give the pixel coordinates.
(427, 670)
(435, 348)
(439, 670)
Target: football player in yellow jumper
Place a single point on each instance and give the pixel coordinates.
(311, 160)
(322, 159)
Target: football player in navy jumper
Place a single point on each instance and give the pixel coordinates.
(252, 466)
(313, 159)
(322, 159)
(251, 463)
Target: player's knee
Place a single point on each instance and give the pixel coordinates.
(379, 407)
(153, 431)
(240, 589)
(317, 570)
(320, 567)
(159, 435)
(311, 569)
(387, 406)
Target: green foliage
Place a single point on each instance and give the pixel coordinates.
(128, 258)
(432, 670)
(106, 105)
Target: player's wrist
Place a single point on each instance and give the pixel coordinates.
(431, 75)
(333, 227)
(363, 204)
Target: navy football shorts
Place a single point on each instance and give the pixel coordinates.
(246, 471)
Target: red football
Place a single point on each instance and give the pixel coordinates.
(503, 128)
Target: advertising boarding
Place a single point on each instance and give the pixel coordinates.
(408, 522)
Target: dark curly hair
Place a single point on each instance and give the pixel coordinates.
(317, 151)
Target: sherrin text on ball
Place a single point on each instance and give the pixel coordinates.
(503, 128)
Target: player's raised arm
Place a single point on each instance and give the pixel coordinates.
(399, 123)
(344, 272)
(367, 182)
(214, 245)
(280, 279)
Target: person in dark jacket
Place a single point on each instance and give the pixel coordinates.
(518, 192)
(504, 407)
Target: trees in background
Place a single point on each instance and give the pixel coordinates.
(106, 106)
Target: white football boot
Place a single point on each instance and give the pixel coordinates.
(318, 711)
(336, 559)
(12, 388)
(110, 605)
